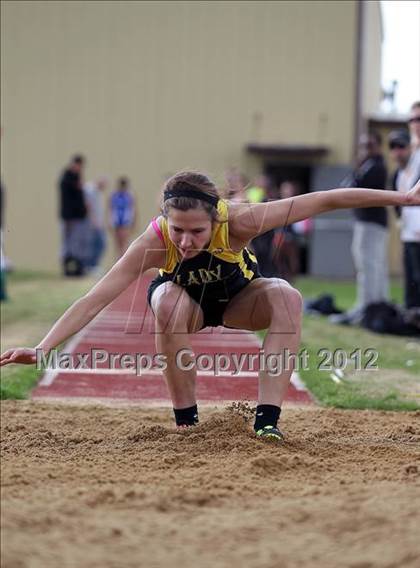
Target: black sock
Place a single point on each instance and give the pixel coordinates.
(266, 415)
(186, 416)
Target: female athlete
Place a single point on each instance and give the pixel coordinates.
(208, 277)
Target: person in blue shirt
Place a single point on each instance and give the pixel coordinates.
(122, 207)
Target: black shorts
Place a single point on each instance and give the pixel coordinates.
(213, 308)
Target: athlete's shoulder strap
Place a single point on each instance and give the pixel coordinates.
(160, 225)
(156, 227)
(220, 236)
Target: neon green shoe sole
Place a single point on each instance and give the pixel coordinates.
(270, 432)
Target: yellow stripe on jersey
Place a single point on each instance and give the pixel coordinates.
(245, 270)
(252, 256)
(171, 252)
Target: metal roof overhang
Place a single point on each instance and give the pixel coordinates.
(287, 151)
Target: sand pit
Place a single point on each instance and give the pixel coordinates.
(90, 486)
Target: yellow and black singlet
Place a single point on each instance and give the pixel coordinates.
(212, 277)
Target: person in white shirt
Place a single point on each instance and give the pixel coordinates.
(410, 216)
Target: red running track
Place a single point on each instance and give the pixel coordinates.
(127, 327)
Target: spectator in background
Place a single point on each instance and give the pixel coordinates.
(258, 192)
(123, 212)
(262, 245)
(235, 189)
(94, 197)
(410, 216)
(400, 150)
(73, 214)
(370, 233)
(290, 242)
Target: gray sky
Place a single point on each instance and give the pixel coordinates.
(401, 50)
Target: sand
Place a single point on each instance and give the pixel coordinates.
(95, 486)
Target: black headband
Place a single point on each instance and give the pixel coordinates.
(185, 190)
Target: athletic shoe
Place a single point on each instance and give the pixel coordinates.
(271, 432)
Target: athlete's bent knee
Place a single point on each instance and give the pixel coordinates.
(169, 306)
(281, 295)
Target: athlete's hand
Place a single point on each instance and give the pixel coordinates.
(22, 355)
(413, 196)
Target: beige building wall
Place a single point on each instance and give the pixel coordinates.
(148, 88)
(371, 44)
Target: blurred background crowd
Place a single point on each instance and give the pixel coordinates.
(87, 214)
(92, 211)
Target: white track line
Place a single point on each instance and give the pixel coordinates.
(295, 379)
(50, 375)
(154, 372)
(149, 346)
(297, 382)
(197, 337)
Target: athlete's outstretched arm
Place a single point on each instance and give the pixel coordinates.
(249, 220)
(145, 252)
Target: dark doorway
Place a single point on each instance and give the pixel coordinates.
(279, 173)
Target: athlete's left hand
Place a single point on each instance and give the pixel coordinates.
(22, 355)
(413, 196)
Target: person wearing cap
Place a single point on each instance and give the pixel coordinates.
(410, 217)
(208, 277)
(400, 150)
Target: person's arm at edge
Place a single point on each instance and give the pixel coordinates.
(250, 220)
